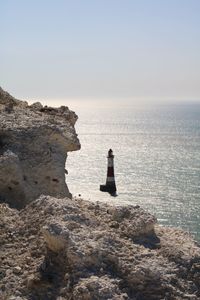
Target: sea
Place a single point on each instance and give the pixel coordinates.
(157, 159)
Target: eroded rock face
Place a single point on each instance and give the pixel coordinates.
(61, 248)
(34, 141)
(71, 249)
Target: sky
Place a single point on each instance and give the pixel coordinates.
(100, 49)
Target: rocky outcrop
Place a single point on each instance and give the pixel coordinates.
(57, 248)
(73, 249)
(34, 141)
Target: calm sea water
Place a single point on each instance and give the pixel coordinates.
(157, 160)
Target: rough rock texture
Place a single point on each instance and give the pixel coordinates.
(74, 249)
(34, 141)
(70, 249)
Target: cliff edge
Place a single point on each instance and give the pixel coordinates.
(34, 141)
(53, 247)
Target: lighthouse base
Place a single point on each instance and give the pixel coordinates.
(108, 188)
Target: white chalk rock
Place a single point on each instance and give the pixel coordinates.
(34, 141)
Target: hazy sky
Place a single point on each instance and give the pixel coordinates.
(100, 49)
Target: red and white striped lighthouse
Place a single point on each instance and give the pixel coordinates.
(110, 185)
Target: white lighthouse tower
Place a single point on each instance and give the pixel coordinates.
(110, 185)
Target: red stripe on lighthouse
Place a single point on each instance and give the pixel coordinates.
(110, 172)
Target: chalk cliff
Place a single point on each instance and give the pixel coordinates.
(73, 249)
(34, 141)
(57, 248)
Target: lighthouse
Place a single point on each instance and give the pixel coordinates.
(110, 185)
